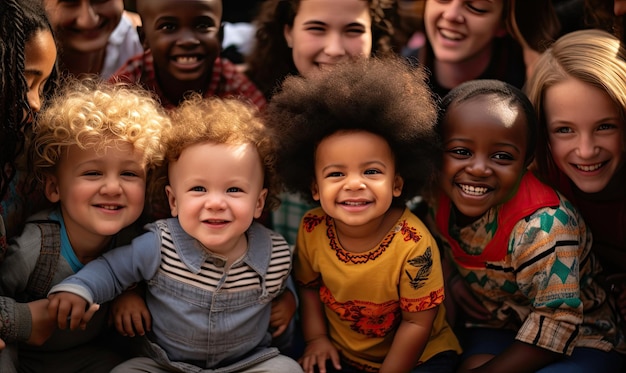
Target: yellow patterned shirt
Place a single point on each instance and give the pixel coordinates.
(364, 294)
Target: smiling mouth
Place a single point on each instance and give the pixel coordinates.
(590, 168)
(109, 207)
(473, 190)
(187, 60)
(451, 35)
(215, 221)
(355, 203)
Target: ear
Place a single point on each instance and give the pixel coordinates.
(142, 38)
(398, 183)
(315, 191)
(171, 198)
(51, 188)
(260, 203)
(288, 35)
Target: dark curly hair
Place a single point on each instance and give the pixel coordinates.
(271, 61)
(382, 96)
(20, 20)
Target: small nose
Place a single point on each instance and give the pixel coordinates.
(454, 11)
(479, 167)
(87, 17)
(354, 183)
(334, 45)
(586, 147)
(214, 201)
(187, 38)
(111, 186)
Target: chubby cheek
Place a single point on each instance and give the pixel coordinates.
(447, 173)
(558, 150)
(362, 47)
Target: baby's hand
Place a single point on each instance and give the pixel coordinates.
(68, 307)
(42, 325)
(316, 353)
(283, 309)
(129, 314)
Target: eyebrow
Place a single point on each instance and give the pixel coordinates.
(322, 23)
(462, 140)
(364, 164)
(601, 120)
(33, 72)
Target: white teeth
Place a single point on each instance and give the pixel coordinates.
(186, 59)
(448, 34)
(109, 207)
(351, 203)
(589, 168)
(476, 191)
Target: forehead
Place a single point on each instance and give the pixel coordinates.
(487, 116)
(345, 143)
(344, 10)
(159, 8)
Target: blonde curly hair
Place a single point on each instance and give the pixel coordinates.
(221, 121)
(92, 114)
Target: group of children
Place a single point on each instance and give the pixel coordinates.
(516, 268)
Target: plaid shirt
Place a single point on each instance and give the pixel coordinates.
(226, 81)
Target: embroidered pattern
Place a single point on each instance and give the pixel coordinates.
(424, 263)
(370, 319)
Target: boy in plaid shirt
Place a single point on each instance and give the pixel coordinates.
(182, 41)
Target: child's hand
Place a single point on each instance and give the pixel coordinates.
(68, 307)
(283, 309)
(129, 314)
(316, 353)
(42, 324)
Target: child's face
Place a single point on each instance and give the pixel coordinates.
(183, 36)
(40, 54)
(216, 190)
(99, 192)
(84, 25)
(355, 177)
(585, 133)
(463, 30)
(485, 141)
(326, 32)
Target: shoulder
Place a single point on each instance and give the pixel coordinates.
(551, 228)
(313, 220)
(132, 70)
(553, 217)
(31, 235)
(258, 233)
(412, 228)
